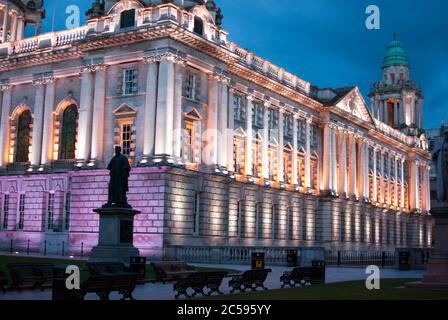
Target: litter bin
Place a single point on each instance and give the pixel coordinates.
(138, 265)
(258, 262)
(404, 260)
(291, 258)
(60, 291)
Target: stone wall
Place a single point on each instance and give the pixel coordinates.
(227, 215)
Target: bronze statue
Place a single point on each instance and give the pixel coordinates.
(118, 184)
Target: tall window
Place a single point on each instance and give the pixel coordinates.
(257, 115)
(258, 221)
(68, 136)
(275, 221)
(130, 86)
(343, 227)
(67, 210)
(126, 139)
(192, 86)
(21, 212)
(290, 222)
(372, 230)
(362, 228)
(240, 228)
(23, 136)
(196, 213)
(127, 19)
(5, 211)
(239, 109)
(50, 212)
(198, 26)
(304, 226)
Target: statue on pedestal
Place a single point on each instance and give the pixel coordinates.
(118, 185)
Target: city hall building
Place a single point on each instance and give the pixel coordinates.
(229, 152)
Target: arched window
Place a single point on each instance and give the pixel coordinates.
(198, 26)
(68, 135)
(127, 19)
(23, 136)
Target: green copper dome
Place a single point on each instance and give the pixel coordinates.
(395, 54)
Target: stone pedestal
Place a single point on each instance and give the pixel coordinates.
(115, 243)
(437, 273)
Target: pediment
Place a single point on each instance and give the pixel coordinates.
(354, 103)
(193, 114)
(125, 109)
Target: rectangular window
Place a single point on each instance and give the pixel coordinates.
(239, 219)
(126, 139)
(191, 86)
(288, 126)
(196, 213)
(238, 109)
(257, 115)
(304, 226)
(258, 220)
(67, 209)
(50, 212)
(5, 211)
(343, 227)
(21, 212)
(290, 223)
(130, 82)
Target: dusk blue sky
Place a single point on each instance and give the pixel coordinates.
(326, 41)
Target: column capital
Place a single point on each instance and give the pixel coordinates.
(43, 81)
(309, 120)
(5, 87)
(232, 89)
(267, 103)
(220, 77)
(250, 97)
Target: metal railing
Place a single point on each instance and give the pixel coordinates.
(349, 258)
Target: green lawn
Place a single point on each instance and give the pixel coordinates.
(5, 260)
(391, 289)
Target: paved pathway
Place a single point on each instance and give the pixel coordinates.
(165, 291)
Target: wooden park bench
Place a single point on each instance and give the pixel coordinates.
(251, 279)
(303, 275)
(198, 282)
(171, 270)
(107, 277)
(103, 285)
(30, 275)
(3, 281)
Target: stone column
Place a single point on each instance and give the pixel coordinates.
(212, 121)
(230, 131)
(353, 168)
(20, 29)
(385, 113)
(265, 150)
(47, 136)
(248, 146)
(295, 149)
(402, 182)
(414, 183)
(281, 146)
(389, 181)
(326, 158)
(366, 171)
(85, 117)
(343, 163)
(38, 120)
(177, 116)
(375, 185)
(165, 105)
(428, 189)
(4, 124)
(396, 181)
(308, 154)
(334, 160)
(222, 123)
(381, 198)
(150, 109)
(395, 112)
(5, 24)
(97, 152)
(13, 33)
(360, 169)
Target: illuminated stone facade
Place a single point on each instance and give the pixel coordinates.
(228, 150)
